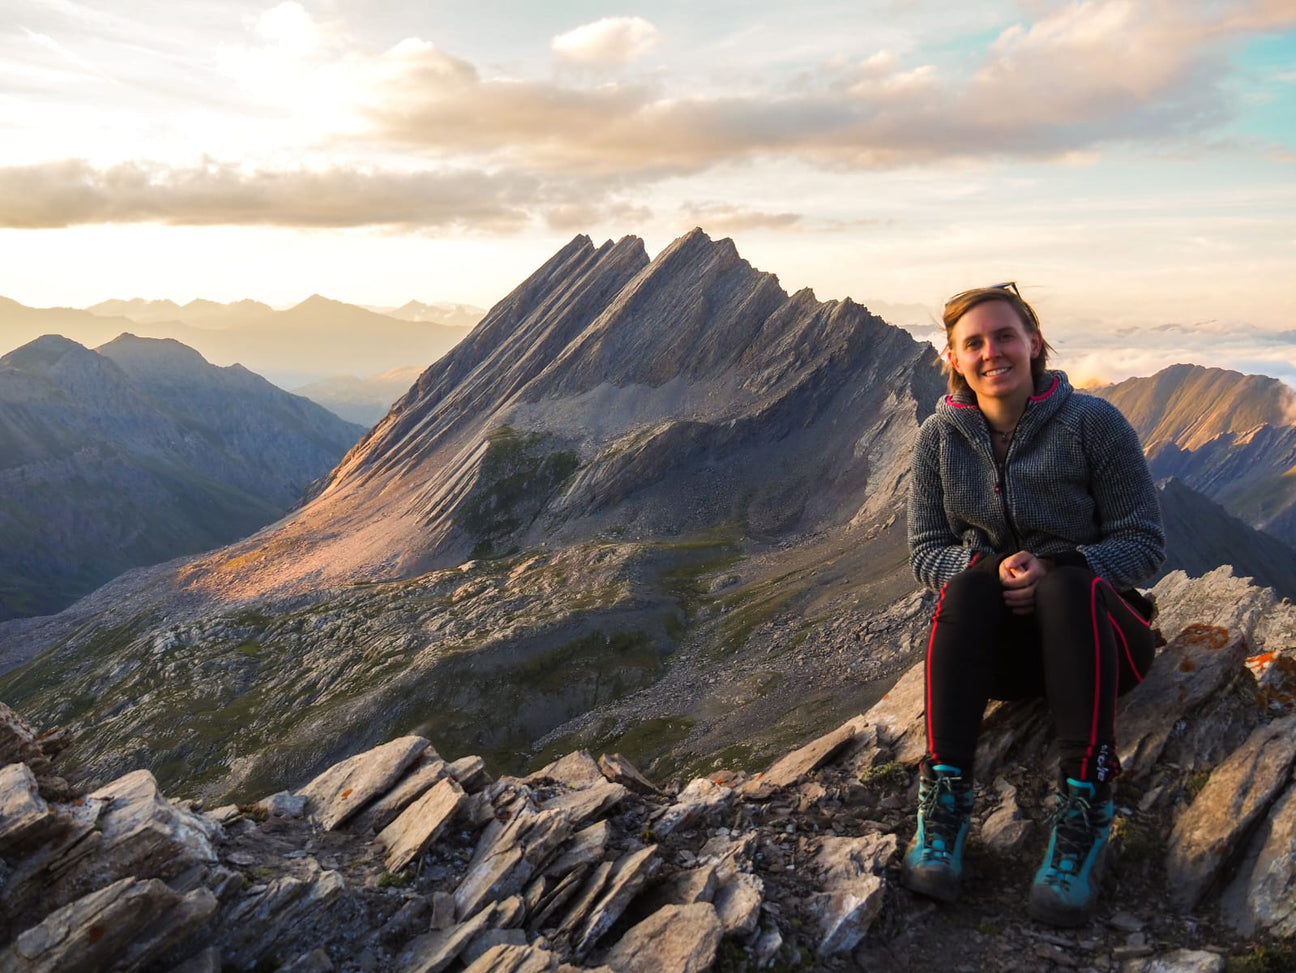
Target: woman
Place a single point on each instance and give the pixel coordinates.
(1033, 513)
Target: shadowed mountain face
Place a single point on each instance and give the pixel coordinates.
(1229, 436)
(136, 453)
(1201, 535)
(653, 506)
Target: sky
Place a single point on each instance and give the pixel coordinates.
(1132, 165)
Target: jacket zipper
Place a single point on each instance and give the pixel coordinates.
(1001, 488)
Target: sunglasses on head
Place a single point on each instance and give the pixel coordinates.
(1008, 285)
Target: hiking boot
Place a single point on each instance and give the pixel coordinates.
(1065, 890)
(933, 863)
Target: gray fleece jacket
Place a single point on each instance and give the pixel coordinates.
(1074, 486)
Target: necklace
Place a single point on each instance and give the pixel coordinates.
(1005, 434)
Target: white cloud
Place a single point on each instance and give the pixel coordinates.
(609, 42)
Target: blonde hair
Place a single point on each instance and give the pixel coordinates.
(964, 301)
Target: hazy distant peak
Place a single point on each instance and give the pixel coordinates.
(318, 301)
(163, 352)
(42, 352)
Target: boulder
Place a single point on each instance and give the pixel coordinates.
(1237, 794)
(420, 823)
(675, 939)
(345, 788)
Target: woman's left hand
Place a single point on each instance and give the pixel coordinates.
(1019, 573)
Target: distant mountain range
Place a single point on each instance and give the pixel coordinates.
(138, 452)
(653, 505)
(315, 340)
(1229, 436)
(362, 400)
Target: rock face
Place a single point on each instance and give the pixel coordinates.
(136, 453)
(568, 869)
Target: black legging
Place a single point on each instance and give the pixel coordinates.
(1081, 648)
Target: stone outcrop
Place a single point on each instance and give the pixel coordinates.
(569, 869)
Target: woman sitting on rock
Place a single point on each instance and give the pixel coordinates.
(1033, 513)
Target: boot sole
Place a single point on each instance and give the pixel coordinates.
(929, 882)
(1053, 914)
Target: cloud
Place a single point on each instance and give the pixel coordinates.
(725, 218)
(73, 192)
(1091, 355)
(609, 42)
(1082, 76)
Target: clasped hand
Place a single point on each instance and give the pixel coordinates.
(1019, 573)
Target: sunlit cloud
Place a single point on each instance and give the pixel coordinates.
(608, 42)
(73, 192)
(1085, 75)
(725, 218)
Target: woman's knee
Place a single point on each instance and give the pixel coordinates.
(974, 584)
(1066, 582)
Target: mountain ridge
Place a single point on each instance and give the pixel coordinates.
(135, 453)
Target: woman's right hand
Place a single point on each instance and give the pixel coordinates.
(1019, 573)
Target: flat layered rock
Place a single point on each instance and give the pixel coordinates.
(506, 958)
(434, 951)
(507, 856)
(345, 788)
(586, 847)
(26, 818)
(628, 876)
(261, 921)
(1270, 885)
(698, 798)
(135, 832)
(618, 769)
(897, 716)
(576, 770)
(1193, 668)
(591, 802)
(738, 903)
(418, 780)
(1236, 794)
(789, 769)
(120, 926)
(674, 939)
(854, 889)
(420, 823)
(470, 772)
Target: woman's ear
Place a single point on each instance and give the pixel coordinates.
(1037, 344)
(952, 360)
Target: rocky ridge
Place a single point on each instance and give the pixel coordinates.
(396, 859)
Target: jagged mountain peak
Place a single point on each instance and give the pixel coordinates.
(618, 381)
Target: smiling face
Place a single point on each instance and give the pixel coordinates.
(992, 349)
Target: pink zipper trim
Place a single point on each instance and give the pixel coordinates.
(1044, 395)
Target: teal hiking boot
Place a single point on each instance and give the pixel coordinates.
(933, 863)
(1065, 890)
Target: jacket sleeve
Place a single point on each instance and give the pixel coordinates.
(1131, 545)
(935, 551)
